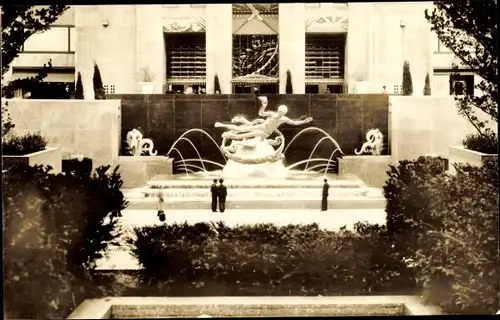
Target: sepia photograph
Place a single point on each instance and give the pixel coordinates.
(223, 160)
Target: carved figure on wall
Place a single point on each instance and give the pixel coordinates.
(243, 132)
(373, 144)
(138, 145)
(255, 54)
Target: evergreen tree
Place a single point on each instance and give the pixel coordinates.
(99, 92)
(289, 87)
(79, 87)
(217, 84)
(427, 86)
(407, 82)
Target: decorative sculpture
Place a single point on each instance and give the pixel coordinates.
(254, 135)
(373, 143)
(137, 145)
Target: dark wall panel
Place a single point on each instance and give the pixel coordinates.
(164, 118)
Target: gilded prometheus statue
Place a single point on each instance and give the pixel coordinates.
(252, 133)
(137, 145)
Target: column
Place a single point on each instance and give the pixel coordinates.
(292, 42)
(151, 43)
(85, 19)
(219, 46)
(359, 46)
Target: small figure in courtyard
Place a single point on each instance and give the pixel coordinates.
(161, 204)
(215, 191)
(328, 91)
(384, 90)
(222, 194)
(324, 197)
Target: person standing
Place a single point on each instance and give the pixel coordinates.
(222, 194)
(324, 198)
(161, 205)
(214, 190)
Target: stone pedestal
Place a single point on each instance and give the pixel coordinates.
(372, 170)
(137, 171)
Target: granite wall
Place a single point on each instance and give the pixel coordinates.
(90, 128)
(164, 118)
(427, 125)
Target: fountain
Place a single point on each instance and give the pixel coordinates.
(255, 173)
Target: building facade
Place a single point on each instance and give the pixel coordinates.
(323, 47)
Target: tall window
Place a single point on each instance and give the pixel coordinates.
(325, 57)
(255, 54)
(186, 56)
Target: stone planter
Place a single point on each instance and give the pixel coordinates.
(147, 87)
(459, 154)
(372, 170)
(137, 171)
(51, 156)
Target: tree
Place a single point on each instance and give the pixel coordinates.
(289, 87)
(407, 82)
(427, 86)
(217, 84)
(79, 87)
(19, 22)
(98, 86)
(469, 30)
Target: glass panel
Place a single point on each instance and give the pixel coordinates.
(54, 39)
(256, 55)
(186, 56)
(325, 56)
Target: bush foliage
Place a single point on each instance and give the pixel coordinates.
(26, 144)
(217, 85)
(427, 85)
(289, 86)
(55, 228)
(485, 142)
(447, 227)
(99, 92)
(267, 260)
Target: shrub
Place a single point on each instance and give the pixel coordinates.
(407, 82)
(486, 142)
(407, 191)
(427, 85)
(56, 227)
(79, 87)
(217, 84)
(29, 143)
(459, 261)
(263, 259)
(98, 86)
(74, 166)
(289, 87)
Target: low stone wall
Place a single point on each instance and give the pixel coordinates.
(49, 157)
(372, 170)
(459, 154)
(88, 127)
(137, 171)
(426, 125)
(207, 307)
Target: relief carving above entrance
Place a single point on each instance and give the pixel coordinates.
(191, 24)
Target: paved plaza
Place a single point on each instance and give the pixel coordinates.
(119, 258)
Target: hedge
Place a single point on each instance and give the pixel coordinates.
(55, 229)
(447, 227)
(205, 259)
